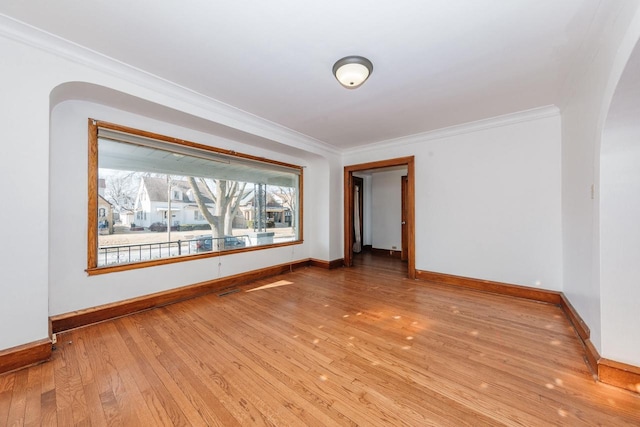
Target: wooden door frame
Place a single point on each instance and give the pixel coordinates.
(348, 207)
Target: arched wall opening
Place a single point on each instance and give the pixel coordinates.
(620, 219)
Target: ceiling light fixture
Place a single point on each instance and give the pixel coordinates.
(352, 71)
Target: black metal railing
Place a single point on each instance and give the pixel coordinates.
(124, 254)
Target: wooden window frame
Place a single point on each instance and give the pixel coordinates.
(92, 197)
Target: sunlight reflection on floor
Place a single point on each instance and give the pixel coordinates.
(271, 285)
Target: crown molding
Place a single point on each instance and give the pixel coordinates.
(489, 123)
(219, 112)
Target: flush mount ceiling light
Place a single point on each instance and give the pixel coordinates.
(352, 71)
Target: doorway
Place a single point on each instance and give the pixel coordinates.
(408, 209)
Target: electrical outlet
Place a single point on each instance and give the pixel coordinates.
(54, 339)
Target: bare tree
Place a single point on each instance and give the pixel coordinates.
(236, 193)
(226, 196)
(289, 198)
(121, 189)
(213, 220)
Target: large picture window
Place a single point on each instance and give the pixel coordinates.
(155, 199)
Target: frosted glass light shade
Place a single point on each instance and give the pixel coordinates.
(352, 71)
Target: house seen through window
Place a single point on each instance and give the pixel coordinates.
(174, 200)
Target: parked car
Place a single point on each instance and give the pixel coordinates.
(204, 243)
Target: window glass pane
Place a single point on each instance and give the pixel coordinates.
(159, 200)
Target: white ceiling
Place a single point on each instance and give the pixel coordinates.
(437, 63)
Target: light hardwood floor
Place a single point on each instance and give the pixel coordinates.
(360, 346)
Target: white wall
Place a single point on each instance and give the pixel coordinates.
(487, 198)
(333, 192)
(24, 163)
(386, 210)
(620, 249)
(619, 220)
(316, 177)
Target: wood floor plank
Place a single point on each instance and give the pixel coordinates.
(316, 347)
(34, 392)
(79, 407)
(63, 399)
(48, 410)
(18, 399)
(7, 382)
(5, 406)
(92, 403)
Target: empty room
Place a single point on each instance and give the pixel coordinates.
(418, 213)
